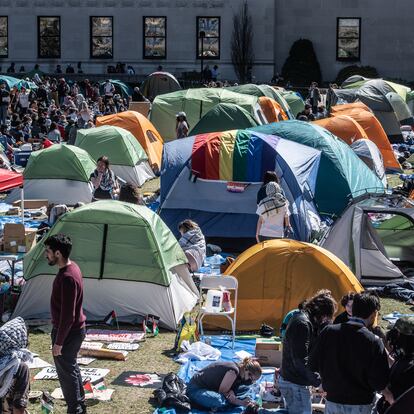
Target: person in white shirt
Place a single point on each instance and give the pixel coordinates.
(23, 100)
(273, 209)
(109, 90)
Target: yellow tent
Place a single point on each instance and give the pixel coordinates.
(276, 275)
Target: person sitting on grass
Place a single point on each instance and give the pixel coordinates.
(222, 384)
(14, 372)
(193, 243)
(104, 180)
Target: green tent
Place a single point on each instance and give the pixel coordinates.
(224, 117)
(130, 262)
(126, 155)
(341, 173)
(356, 81)
(195, 103)
(117, 143)
(263, 90)
(60, 162)
(294, 100)
(59, 174)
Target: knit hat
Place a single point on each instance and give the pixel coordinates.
(405, 325)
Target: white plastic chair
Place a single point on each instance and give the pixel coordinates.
(229, 283)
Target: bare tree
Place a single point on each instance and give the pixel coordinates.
(242, 44)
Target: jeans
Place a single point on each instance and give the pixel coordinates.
(207, 399)
(297, 397)
(3, 114)
(68, 371)
(333, 408)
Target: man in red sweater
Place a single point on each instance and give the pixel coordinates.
(68, 320)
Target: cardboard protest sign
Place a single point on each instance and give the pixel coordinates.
(93, 374)
(139, 379)
(104, 335)
(121, 346)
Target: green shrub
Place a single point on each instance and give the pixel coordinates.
(302, 66)
(347, 71)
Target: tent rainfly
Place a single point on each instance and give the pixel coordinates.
(214, 179)
(196, 103)
(224, 117)
(128, 160)
(375, 238)
(59, 174)
(142, 129)
(159, 83)
(275, 275)
(341, 173)
(130, 262)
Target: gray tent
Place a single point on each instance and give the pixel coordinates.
(368, 152)
(388, 106)
(375, 238)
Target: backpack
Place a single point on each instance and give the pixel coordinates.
(275, 199)
(172, 394)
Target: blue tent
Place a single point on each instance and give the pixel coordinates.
(214, 179)
(342, 175)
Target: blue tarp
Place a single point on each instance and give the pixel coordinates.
(223, 343)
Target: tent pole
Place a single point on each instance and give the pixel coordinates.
(22, 203)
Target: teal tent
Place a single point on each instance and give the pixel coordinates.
(120, 87)
(224, 117)
(11, 82)
(294, 100)
(341, 175)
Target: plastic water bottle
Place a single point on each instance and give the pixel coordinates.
(215, 265)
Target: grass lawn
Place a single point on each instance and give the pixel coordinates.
(151, 357)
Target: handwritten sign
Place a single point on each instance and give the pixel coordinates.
(120, 346)
(114, 336)
(93, 374)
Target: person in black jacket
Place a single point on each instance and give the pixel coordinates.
(346, 301)
(295, 375)
(351, 360)
(401, 340)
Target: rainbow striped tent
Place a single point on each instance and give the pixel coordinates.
(214, 179)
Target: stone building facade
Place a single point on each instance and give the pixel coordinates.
(148, 33)
(178, 28)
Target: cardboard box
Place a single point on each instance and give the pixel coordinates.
(269, 352)
(142, 107)
(17, 238)
(32, 204)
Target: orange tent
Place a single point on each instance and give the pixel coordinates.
(276, 275)
(375, 132)
(344, 127)
(141, 128)
(346, 107)
(272, 110)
